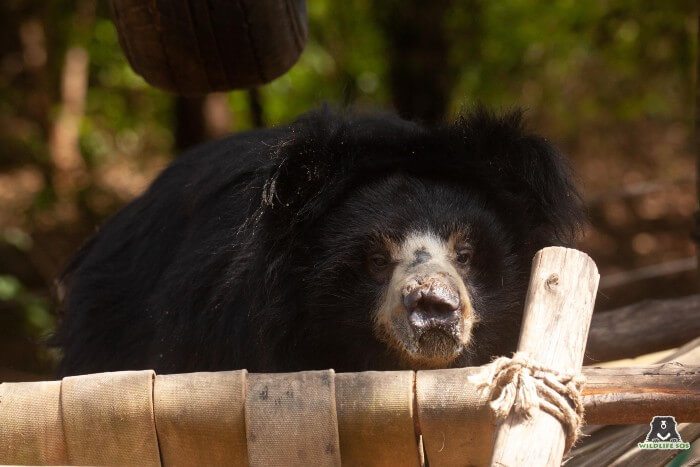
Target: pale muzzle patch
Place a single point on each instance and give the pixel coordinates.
(425, 312)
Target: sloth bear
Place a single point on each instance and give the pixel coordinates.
(339, 241)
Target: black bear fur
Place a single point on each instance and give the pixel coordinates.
(233, 258)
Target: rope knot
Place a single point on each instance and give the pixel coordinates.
(523, 385)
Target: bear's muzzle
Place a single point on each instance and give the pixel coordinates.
(431, 303)
(435, 313)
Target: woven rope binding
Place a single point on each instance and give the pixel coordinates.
(523, 385)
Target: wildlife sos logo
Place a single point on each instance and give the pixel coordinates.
(663, 435)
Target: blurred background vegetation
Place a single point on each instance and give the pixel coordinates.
(611, 82)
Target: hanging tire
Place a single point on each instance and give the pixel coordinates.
(197, 46)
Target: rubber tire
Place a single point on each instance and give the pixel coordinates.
(193, 47)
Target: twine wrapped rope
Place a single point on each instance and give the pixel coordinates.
(523, 385)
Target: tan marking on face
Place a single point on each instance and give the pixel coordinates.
(457, 239)
(426, 259)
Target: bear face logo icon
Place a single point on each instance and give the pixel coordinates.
(663, 429)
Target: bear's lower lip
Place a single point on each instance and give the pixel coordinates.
(422, 321)
(436, 336)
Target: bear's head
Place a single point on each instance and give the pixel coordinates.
(403, 246)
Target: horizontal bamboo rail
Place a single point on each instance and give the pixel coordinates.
(207, 417)
(626, 396)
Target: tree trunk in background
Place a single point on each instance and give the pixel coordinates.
(420, 75)
(69, 172)
(189, 122)
(218, 119)
(201, 118)
(67, 160)
(256, 110)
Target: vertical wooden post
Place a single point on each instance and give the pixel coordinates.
(558, 311)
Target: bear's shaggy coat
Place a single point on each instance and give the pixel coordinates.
(249, 252)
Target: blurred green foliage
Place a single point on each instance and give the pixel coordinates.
(37, 317)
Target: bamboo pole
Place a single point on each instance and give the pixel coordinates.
(642, 328)
(555, 326)
(688, 354)
(626, 396)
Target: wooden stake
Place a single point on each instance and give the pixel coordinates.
(557, 316)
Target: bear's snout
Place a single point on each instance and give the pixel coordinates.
(438, 317)
(426, 312)
(431, 303)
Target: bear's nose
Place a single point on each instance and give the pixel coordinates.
(434, 297)
(431, 304)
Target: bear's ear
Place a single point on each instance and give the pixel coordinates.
(533, 175)
(324, 152)
(305, 172)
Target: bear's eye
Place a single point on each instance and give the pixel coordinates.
(464, 255)
(379, 261)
